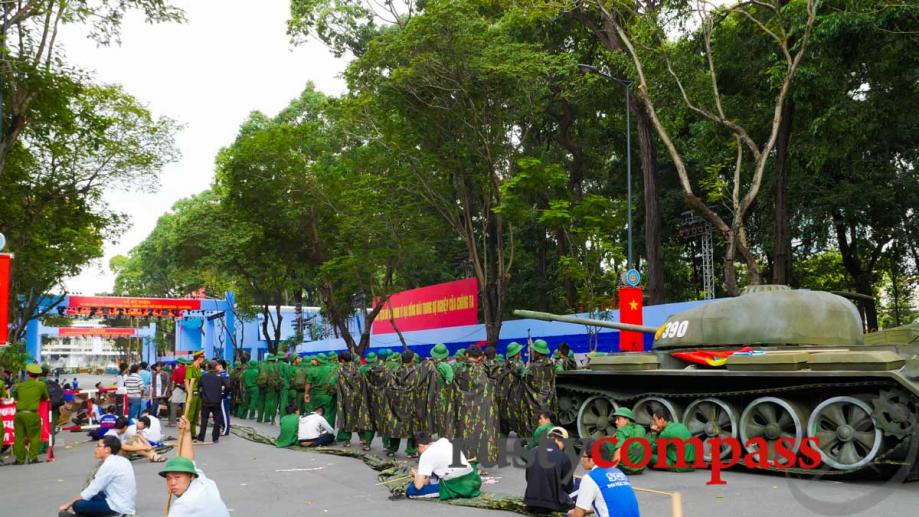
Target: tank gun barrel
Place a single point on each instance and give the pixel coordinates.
(546, 316)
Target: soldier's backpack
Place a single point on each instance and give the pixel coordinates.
(299, 380)
(262, 380)
(55, 393)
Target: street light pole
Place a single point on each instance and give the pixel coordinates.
(627, 85)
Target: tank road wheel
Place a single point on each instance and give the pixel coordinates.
(771, 418)
(642, 410)
(712, 418)
(595, 418)
(849, 438)
(568, 405)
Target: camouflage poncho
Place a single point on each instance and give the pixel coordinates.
(477, 413)
(406, 399)
(378, 378)
(508, 397)
(441, 416)
(353, 412)
(537, 391)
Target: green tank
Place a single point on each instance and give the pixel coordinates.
(772, 363)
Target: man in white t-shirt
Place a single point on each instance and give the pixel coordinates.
(314, 430)
(113, 488)
(152, 429)
(440, 473)
(133, 440)
(191, 493)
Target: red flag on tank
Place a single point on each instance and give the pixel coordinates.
(630, 311)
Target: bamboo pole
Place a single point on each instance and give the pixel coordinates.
(188, 395)
(403, 478)
(676, 499)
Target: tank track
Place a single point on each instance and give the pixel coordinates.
(885, 460)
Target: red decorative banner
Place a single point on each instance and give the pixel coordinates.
(449, 304)
(5, 260)
(44, 412)
(8, 414)
(117, 302)
(630, 311)
(103, 331)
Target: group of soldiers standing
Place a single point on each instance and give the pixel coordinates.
(474, 397)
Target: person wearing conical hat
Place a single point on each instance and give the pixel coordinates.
(627, 428)
(28, 394)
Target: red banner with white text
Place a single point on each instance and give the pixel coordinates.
(8, 414)
(118, 302)
(5, 261)
(98, 331)
(450, 304)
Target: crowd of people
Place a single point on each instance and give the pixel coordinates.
(470, 400)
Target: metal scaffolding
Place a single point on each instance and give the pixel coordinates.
(698, 232)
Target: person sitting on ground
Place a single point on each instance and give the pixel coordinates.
(436, 477)
(132, 442)
(605, 491)
(627, 428)
(678, 436)
(152, 430)
(290, 425)
(314, 430)
(194, 494)
(544, 425)
(550, 476)
(113, 488)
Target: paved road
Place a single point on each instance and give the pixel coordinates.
(251, 484)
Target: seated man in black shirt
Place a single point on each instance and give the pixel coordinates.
(550, 476)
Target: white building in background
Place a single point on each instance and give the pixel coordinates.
(79, 351)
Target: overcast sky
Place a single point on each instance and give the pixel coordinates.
(230, 58)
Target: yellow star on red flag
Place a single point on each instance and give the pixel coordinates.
(633, 305)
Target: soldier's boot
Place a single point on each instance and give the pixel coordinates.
(343, 436)
(410, 449)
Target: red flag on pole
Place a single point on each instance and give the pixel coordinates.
(5, 260)
(630, 311)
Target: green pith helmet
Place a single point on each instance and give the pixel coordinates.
(393, 358)
(626, 412)
(440, 351)
(33, 368)
(499, 357)
(540, 346)
(332, 355)
(460, 353)
(271, 357)
(179, 464)
(513, 349)
(182, 360)
(385, 353)
(321, 359)
(372, 357)
(417, 358)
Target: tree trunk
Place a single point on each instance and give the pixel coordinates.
(781, 250)
(730, 270)
(864, 285)
(654, 252)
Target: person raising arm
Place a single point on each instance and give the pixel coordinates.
(195, 494)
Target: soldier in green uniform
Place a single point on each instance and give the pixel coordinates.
(285, 370)
(537, 388)
(627, 428)
(193, 376)
(563, 358)
(459, 360)
(28, 395)
(405, 397)
(297, 383)
(289, 427)
(319, 386)
(354, 415)
(544, 425)
(334, 366)
(367, 436)
(440, 393)
(378, 377)
(253, 393)
(664, 429)
(477, 414)
(508, 389)
(269, 382)
(238, 388)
